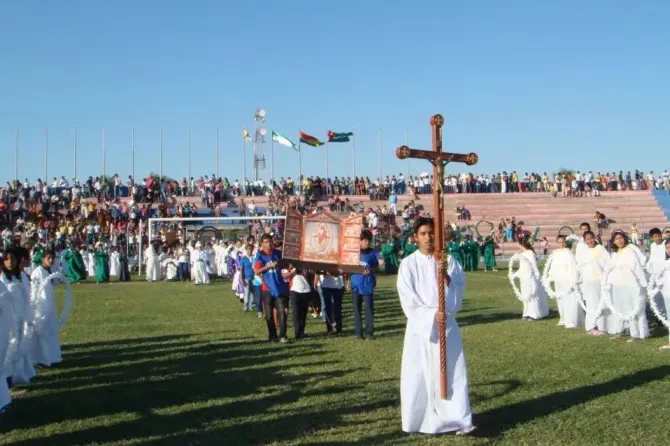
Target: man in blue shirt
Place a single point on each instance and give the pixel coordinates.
(274, 290)
(363, 287)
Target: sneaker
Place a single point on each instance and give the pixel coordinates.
(284, 340)
(260, 315)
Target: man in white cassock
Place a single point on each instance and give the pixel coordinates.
(422, 408)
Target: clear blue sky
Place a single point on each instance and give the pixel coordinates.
(528, 85)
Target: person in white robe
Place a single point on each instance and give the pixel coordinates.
(591, 263)
(170, 265)
(561, 270)
(663, 282)
(6, 329)
(656, 265)
(114, 263)
(625, 284)
(153, 268)
(533, 296)
(211, 260)
(20, 369)
(90, 263)
(84, 258)
(199, 266)
(45, 345)
(421, 406)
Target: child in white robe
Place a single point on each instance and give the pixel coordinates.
(45, 346)
(626, 284)
(535, 304)
(21, 370)
(561, 269)
(591, 263)
(5, 332)
(114, 263)
(663, 282)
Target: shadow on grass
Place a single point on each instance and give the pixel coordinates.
(213, 381)
(493, 423)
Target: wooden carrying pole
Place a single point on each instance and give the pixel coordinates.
(439, 160)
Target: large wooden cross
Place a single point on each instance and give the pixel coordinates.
(439, 160)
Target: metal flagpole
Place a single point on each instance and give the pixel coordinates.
(132, 161)
(300, 165)
(217, 152)
(16, 158)
(75, 153)
(104, 160)
(189, 154)
(380, 155)
(272, 166)
(46, 154)
(353, 152)
(244, 163)
(325, 149)
(407, 144)
(160, 172)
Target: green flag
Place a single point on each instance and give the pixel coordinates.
(281, 139)
(339, 137)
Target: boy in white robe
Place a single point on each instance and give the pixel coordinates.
(422, 408)
(45, 348)
(656, 263)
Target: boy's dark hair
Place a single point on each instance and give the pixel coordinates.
(655, 231)
(587, 224)
(423, 221)
(560, 236)
(266, 237)
(366, 234)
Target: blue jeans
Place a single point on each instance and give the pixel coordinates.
(249, 300)
(323, 303)
(358, 300)
(333, 308)
(257, 297)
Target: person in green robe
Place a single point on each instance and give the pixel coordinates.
(489, 248)
(101, 265)
(408, 246)
(473, 250)
(466, 250)
(390, 255)
(76, 270)
(455, 250)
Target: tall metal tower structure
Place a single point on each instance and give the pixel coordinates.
(259, 145)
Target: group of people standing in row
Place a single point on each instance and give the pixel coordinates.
(604, 292)
(29, 319)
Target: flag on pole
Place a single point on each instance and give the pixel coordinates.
(310, 140)
(284, 141)
(245, 135)
(339, 137)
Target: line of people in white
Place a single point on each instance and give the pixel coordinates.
(602, 292)
(194, 261)
(29, 319)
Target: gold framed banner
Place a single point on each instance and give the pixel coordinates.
(323, 241)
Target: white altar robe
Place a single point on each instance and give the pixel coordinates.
(114, 263)
(6, 327)
(592, 262)
(21, 369)
(422, 408)
(537, 306)
(563, 272)
(45, 344)
(153, 264)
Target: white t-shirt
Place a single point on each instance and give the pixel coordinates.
(300, 284)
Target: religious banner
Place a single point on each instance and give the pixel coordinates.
(323, 241)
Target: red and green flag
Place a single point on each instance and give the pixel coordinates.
(339, 137)
(310, 140)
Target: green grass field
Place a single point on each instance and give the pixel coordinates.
(179, 364)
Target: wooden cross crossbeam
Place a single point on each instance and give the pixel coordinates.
(439, 160)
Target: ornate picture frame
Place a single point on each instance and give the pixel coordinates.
(323, 241)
